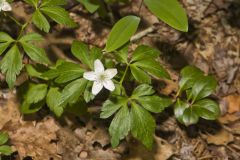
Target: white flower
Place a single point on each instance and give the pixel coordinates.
(102, 78)
(5, 6)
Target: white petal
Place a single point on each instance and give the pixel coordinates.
(96, 88)
(91, 76)
(98, 66)
(108, 84)
(110, 73)
(6, 6)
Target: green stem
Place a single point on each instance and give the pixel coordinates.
(23, 28)
(13, 19)
(124, 75)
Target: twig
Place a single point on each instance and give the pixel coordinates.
(142, 34)
(65, 41)
(232, 150)
(95, 109)
(140, 7)
(60, 54)
(206, 157)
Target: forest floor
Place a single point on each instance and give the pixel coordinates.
(211, 44)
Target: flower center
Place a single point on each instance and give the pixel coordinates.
(102, 77)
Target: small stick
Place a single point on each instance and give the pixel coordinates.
(142, 34)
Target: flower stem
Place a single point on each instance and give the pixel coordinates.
(124, 75)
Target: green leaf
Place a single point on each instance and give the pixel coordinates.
(33, 72)
(102, 10)
(5, 41)
(4, 46)
(143, 90)
(122, 32)
(4, 37)
(59, 15)
(207, 109)
(81, 52)
(36, 93)
(203, 87)
(95, 53)
(53, 98)
(119, 90)
(111, 106)
(89, 5)
(40, 21)
(122, 54)
(53, 2)
(190, 116)
(11, 65)
(53, 72)
(32, 2)
(169, 11)
(72, 92)
(179, 109)
(88, 96)
(142, 125)
(144, 52)
(144, 62)
(154, 104)
(65, 72)
(35, 53)
(139, 74)
(120, 126)
(29, 108)
(153, 67)
(68, 71)
(189, 75)
(31, 37)
(3, 138)
(6, 150)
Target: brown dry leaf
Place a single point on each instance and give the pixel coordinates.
(233, 103)
(8, 108)
(35, 141)
(26, 137)
(230, 107)
(235, 128)
(222, 137)
(94, 142)
(162, 150)
(228, 118)
(170, 87)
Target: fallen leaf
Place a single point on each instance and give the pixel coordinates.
(222, 137)
(34, 141)
(187, 151)
(162, 150)
(228, 118)
(8, 108)
(233, 103)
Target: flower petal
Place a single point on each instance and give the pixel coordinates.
(110, 73)
(91, 76)
(98, 66)
(6, 6)
(108, 84)
(96, 88)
